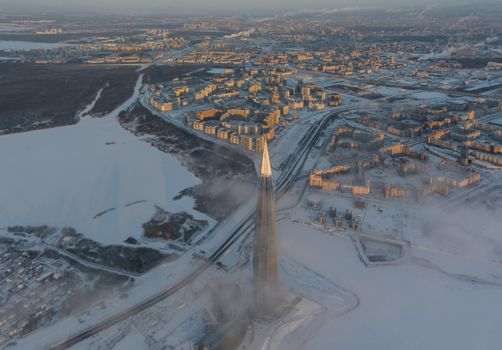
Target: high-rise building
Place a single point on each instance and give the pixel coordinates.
(265, 243)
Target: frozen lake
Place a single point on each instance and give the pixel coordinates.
(94, 176)
(8, 45)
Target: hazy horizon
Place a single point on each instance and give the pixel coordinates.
(197, 7)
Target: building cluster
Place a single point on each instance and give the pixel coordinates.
(338, 220)
(370, 152)
(332, 216)
(413, 122)
(244, 108)
(448, 175)
(214, 56)
(477, 140)
(50, 31)
(136, 48)
(443, 183)
(494, 65)
(35, 286)
(453, 127)
(117, 59)
(147, 43)
(212, 25)
(356, 138)
(327, 180)
(346, 62)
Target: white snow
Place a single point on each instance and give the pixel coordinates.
(132, 341)
(426, 95)
(10, 45)
(217, 71)
(407, 306)
(66, 176)
(91, 105)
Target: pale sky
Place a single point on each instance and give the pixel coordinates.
(207, 6)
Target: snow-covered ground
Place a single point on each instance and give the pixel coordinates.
(419, 304)
(439, 296)
(444, 293)
(10, 45)
(67, 176)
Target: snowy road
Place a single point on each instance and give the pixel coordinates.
(90, 264)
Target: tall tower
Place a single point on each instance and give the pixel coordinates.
(265, 242)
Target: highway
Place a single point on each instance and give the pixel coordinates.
(282, 184)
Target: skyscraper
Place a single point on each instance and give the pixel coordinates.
(265, 242)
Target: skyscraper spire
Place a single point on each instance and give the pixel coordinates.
(265, 243)
(266, 170)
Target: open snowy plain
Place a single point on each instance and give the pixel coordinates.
(94, 176)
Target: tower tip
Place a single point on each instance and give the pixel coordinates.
(266, 169)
